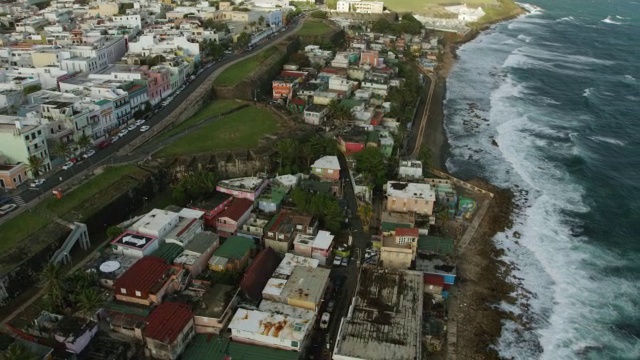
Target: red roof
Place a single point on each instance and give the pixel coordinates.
(435, 280)
(167, 321)
(237, 208)
(407, 232)
(298, 101)
(296, 74)
(259, 273)
(142, 276)
(278, 220)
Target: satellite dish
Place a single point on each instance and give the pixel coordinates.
(109, 266)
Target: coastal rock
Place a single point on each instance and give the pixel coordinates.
(516, 235)
(494, 142)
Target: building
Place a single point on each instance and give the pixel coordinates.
(233, 217)
(279, 232)
(168, 331)
(147, 281)
(270, 200)
(253, 228)
(441, 266)
(327, 167)
(315, 114)
(399, 250)
(305, 288)
(156, 223)
(135, 245)
(186, 229)
(232, 255)
(258, 274)
(246, 187)
(22, 138)
(197, 252)
(385, 318)
(318, 247)
(290, 262)
(12, 175)
(410, 170)
(215, 309)
(357, 6)
(410, 197)
(213, 207)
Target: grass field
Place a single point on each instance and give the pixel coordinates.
(418, 6)
(28, 223)
(240, 70)
(239, 130)
(213, 109)
(314, 27)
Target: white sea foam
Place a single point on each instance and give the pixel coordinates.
(568, 19)
(525, 38)
(587, 92)
(629, 77)
(609, 20)
(608, 140)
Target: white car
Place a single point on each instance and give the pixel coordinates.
(144, 128)
(89, 154)
(67, 165)
(123, 132)
(115, 138)
(324, 321)
(140, 122)
(5, 209)
(132, 127)
(337, 261)
(37, 182)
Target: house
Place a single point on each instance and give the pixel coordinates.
(246, 187)
(253, 228)
(156, 223)
(410, 170)
(168, 331)
(399, 250)
(197, 252)
(213, 207)
(215, 309)
(390, 221)
(232, 255)
(436, 245)
(305, 288)
(39, 351)
(370, 58)
(222, 348)
(147, 281)
(126, 318)
(410, 197)
(442, 266)
(135, 245)
(327, 167)
(278, 234)
(234, 217)
(258, 274)
(353, 141)
(400, 338)
(433, 284)
(184, 231)
(290, 262)
(74, 332)
(270, 200)
(282, 88)
(168, 252)
(318, 247)
(12, 175)
(315, 114)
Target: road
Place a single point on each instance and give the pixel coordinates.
(25, 195)
(423, 118)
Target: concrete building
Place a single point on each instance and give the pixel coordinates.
(315, 114)
(366, 334)
(197, 252)
(363, 7)
(246, 187)
(410, 169)
(216, 308)
(317, 247)
(232, 255)
(410, 197)
(156, 223)
(134, 245)
(397, 251)
(147, 281)
(233, 217)
(12, 175)
(305, 288)
(327, 167)
(168, 331)
(22, 138)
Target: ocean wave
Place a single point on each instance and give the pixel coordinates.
(608, 140)
(609, 20)
(524, 38)
(568, 19)
(629, 77)
(587, 92)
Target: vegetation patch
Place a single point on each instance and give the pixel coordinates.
(213, 109)
(314, 27)
(240, 130)
(422, 6)
(239, 71)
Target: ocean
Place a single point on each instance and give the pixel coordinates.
(548, 106)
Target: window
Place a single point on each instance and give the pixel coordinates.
(138, 293)
(318, 170)
(297, 327)
(39, 132)
(330, 171)
(123, 290)
(295, 344)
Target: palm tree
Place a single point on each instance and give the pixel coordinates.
(18, 351)
(62, 149)
(84, 141)
(306, 153)
(261, 20)
(89, 299)
(34, 165)
(286, 149)
(253, 25)
(53, 279)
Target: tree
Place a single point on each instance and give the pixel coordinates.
(306, 153)
(253, 25)
(243, 40)
(318, 14)
(31, 89)
(261, 20)
(341, 115)
(113, 231)
(425, 157)
(62, 149)
(324, 206)
(84, 141)
(34, 165)
(17, 351)
(331, 4)
(53, 279)
(286, 150)
(370, 163)
(300, 59)
(195, 185)
(89, 299)
(366, 212)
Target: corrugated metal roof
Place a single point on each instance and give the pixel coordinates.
(234, 247)
(167, 321)
(168, 252)
(143, 275)
(237, 208)
(258, 273)
(205, 347)
(436, 245)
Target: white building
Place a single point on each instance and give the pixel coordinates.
(156, 223)
(406, 197)
(357, 6)
(128, 20)
(410, 169)
(22, 138)
(466, 13)
(106, 50)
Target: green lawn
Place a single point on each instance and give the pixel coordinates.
(314, 27)
(28, 223)
(239, 130)
(418, 6)
(213, 109)
(240, 70)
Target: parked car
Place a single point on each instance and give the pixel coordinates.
(114, 139)
(324, 321)
(337, 261)
(331, 305)
(103, 144)
(89, 154)
(123, 132)
(74, 160)
(5, 200)
(132, 127)
(140, 122)
(67, 165)
(36, 183)
(5, 209)
(144, 128)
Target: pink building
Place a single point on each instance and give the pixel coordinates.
(245, 188)
(327, 167)
(158, 84)
(369, 58)
(233, 217)
(317, 247)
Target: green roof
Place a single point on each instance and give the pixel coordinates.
(373, 137)
(276, 195)
(102, 102)
(350, 103)
(389, 226)
(435, 244)
(205, 347)
(168, 252)
(234, 247)
(316, 186)
(127, 309)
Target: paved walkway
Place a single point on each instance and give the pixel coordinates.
(471, 230)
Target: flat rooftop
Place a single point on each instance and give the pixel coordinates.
(386, 318)
(290, 261)
(215, 300)
(133, 240)
(408, 190)
(245, 183)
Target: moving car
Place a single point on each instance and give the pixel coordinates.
(67, 165)
(37, 182)
(324, 321)
(331, 305)
(5, 209)
(89, 154)
(144, 128)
